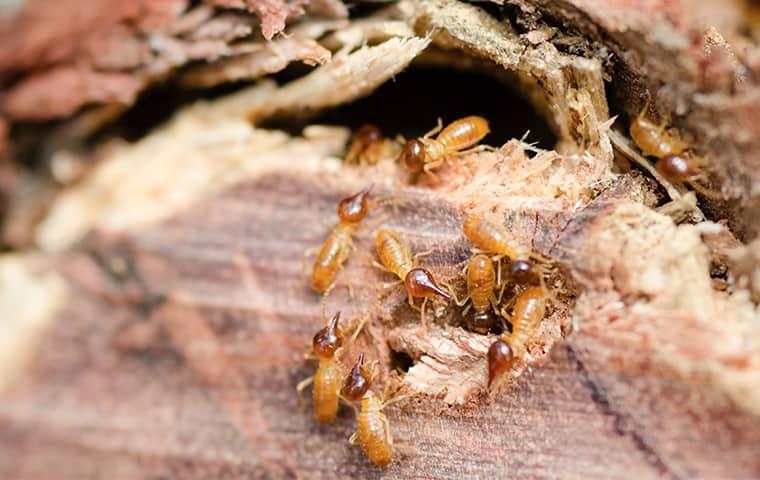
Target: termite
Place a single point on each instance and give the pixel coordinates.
(357, 382)
(426, 153)
(673, 162)
(396, 257)
(683, 168)
(492, 237)
(336, 248)
(480, 278)
(373, 430)
(367, 145)
(329, 375)
(527, 314)
(652, 139)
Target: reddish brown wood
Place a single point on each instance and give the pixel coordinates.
(208, 391)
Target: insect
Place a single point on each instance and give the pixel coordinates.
(373, 430)
(367, 145)
(357, 382)
(336, 248)
(396, 257)
(654, 140)
(524, 272)
(426, 153)
(481, 282)
(492, 237)
(683, 168)
(329, 375)
(527, 314)
(673, 160)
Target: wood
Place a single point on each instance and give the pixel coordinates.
(210, 391)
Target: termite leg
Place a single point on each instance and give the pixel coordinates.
(428, 169)
(504, 310)
(419, 255)
(380, 266)
(701, 189)
(498, 259)
(411, 303)
(645, 108)
(350, 404)
(358, 330)
(371, 224)
(540, 258)
(392, 284)
(501, 295)
(310, 252)
(387, 425)
(324, 300)
(395, 400)
(477, 148)
(435, 130)
(353, 438)
(452, 292)
(422, 316)
(301, 387)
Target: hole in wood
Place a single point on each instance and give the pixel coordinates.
(411, 105)
(400, 361)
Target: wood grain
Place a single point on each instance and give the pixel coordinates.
(208, 392)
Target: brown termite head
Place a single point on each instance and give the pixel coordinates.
(367, 134)
(481, 322)
(353, 209)
(328, 339)
(413, 155)
(523, 272)
(420, 283)
(357, 382)
(500, 360)
(364, 146)
(676, 167)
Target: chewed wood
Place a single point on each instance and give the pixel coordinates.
(211, 393)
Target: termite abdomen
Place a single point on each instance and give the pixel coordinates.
(464, 132)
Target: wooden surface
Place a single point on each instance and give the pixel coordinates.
(184, 366)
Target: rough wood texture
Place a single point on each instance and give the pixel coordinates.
(104, 55)
(207, 391)
(697, 60)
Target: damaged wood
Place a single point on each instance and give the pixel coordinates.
(220, 296)
(111, 54)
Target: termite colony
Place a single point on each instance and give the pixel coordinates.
(505, 296)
